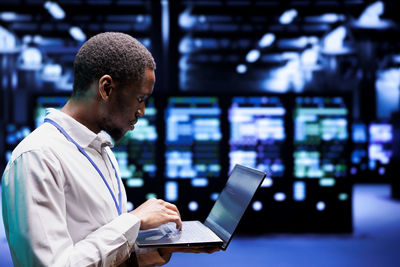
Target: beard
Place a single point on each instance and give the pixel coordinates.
(115, 132)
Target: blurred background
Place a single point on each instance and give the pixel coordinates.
(305, 90)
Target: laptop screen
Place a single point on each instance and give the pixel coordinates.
(233, 201)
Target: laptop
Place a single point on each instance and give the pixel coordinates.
(219, 227)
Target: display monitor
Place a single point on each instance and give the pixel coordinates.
(193, 136)
(320, 137)
(359, 154)
(257, 133)
(380, 146)
(372, 149)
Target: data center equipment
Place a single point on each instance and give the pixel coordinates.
(184, 147)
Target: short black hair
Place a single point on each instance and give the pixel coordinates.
(117, 54)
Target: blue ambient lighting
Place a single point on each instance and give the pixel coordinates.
(129, 206)
(288, 16)
(267, 40)
(257, 206)
(280, 196)
(77, 34)
(55, 10)
(321, 205)
(241, 68)
(253, 56)
(171, 191)
(193, 205)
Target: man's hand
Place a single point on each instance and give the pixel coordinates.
(155, 212)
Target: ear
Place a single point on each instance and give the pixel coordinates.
(106, 85)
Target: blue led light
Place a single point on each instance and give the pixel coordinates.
(267, 40)
(333, 41)
(343, 196)
(381, 133)
(199, 182)
(288, 16)
(214, 196)
(8, 16)
(327, 182)
(151, 195)
(77, 34)
(331, 17)
(171, 191)
(129, 206)
(253, 55)
(267, 182)
(55, 10)
(135, 182)
(299, 191)
(149, 167)
(31, 58)
(193, 206)
(165, 23)
(279, 196)
(370, 17)
(11, 139)
(8, 155)
(321, 205)
(257, 206)
(186, 20)
(359, 133)
(241, 68)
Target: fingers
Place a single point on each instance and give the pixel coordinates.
(175, 217)
(155, 212)
(172, 207)
(178, 222)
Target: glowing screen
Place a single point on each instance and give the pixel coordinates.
(257, 133)
(359, 157)
(379, 147)
(320, 136)
(372, 149)
(193, 137)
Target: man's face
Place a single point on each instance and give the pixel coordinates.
(126, 105)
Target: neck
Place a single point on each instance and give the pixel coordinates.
(83, 111)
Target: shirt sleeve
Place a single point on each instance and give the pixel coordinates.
(34, 214)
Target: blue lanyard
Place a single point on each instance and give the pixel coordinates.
(118, 206)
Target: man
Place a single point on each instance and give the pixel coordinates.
(63, 200)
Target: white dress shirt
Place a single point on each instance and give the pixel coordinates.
(57, 210)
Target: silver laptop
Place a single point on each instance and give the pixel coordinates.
(218, 228)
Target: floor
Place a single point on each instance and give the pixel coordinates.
(374, 242)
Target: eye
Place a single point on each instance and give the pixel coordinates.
(140, 99)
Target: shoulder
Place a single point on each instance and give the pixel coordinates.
(44, 140)
(36, 155)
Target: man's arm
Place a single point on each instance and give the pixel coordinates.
(34, 214)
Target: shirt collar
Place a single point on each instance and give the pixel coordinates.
(79, 132)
